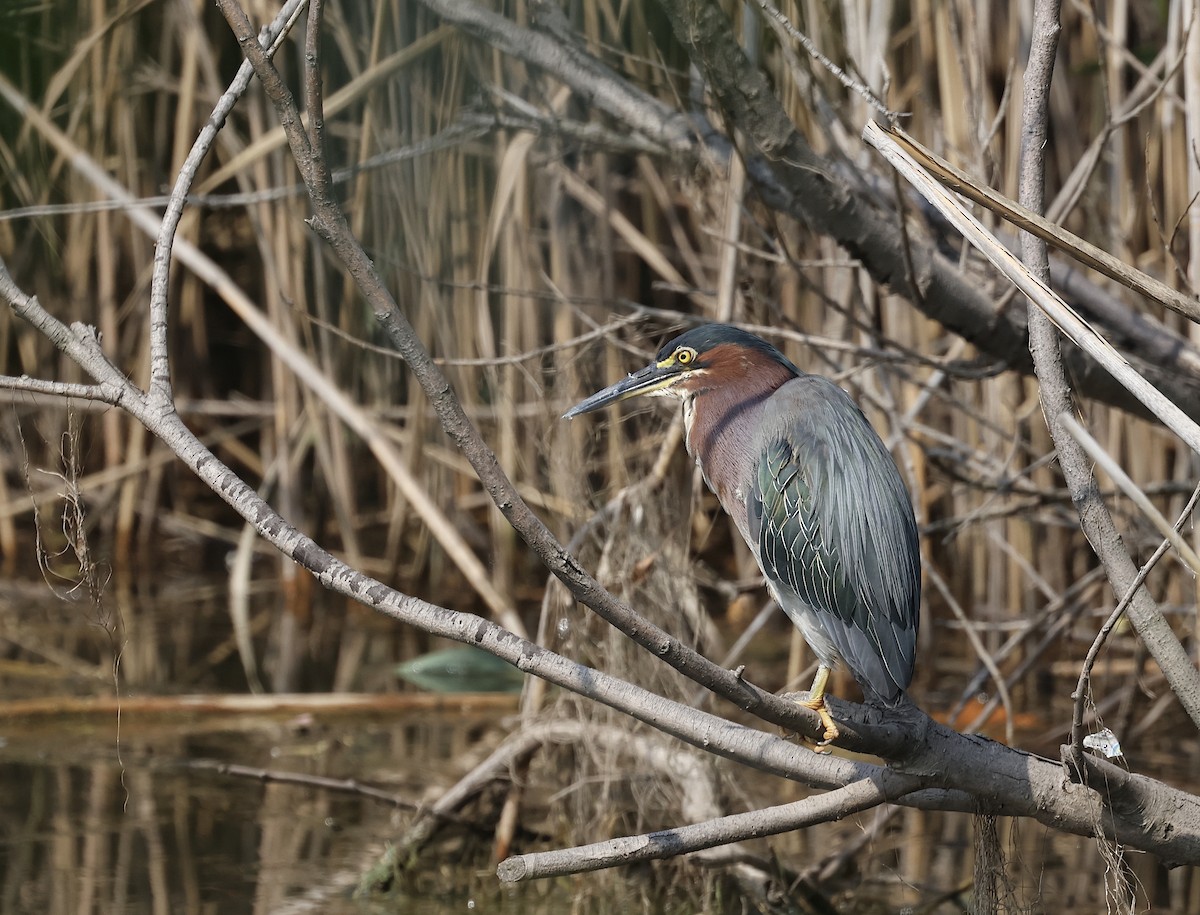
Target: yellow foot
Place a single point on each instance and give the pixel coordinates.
(831, 730)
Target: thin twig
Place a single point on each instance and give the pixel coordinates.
(783, 26)
(308, 780)
(981, 651)
(65, 389)
(1083, 687)
(160, 373)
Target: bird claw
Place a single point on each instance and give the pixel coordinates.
(820, 747)
(831, 729)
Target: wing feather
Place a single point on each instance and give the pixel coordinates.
(833, 528)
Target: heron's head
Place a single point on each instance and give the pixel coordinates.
(704, 358)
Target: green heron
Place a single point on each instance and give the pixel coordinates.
(814, 493)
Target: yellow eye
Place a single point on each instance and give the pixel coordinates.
(684, 355)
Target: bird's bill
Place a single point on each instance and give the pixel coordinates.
(650, 380)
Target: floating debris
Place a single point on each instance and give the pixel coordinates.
(461, 670)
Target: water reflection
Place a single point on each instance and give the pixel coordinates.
(108, 813)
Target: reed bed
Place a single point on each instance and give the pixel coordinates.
(541, 253)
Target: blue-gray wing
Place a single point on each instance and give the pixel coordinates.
(835, 532)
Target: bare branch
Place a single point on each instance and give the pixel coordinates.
(784, 27)
(668, 843)
(93, 392)
(160, 372)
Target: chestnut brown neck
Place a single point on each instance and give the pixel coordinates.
(723, 413)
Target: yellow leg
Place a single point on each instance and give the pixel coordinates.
(816, 702)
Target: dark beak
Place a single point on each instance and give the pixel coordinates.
(644, 381)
